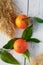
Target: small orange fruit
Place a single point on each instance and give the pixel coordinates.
(20, 46)
(22, 21)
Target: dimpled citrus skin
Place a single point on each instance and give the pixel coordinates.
(20, 23)
(20, 46)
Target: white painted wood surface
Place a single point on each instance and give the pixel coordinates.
(35, 9)
(22, 5)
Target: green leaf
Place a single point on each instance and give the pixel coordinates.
(26, 54)
(8, 58)
(10, 43)
(0, 54)
(33, 40)
(27, 33)
(38, 19)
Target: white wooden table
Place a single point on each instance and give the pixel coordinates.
(35, 8)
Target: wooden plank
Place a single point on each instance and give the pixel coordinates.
(36, 9)
(41, 8)
(22, 6)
